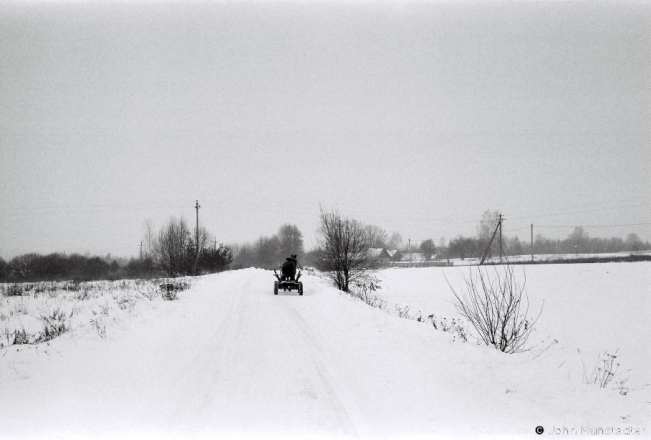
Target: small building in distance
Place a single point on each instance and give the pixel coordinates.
(380, 255)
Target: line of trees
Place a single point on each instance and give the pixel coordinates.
(474, 246)
(176, 250)
(354, 239)
(172, 251)
(58, 266)
(270, 252)
(578, 241)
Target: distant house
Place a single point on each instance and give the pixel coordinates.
(394, 254)
(379, 254)
(416, 259)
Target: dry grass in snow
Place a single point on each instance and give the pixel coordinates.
(32, 313)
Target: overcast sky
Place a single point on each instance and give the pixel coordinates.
(414, 116)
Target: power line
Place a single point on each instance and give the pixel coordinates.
(581, 212)
(518, 229)
(591, 226)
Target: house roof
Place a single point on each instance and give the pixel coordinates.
(375, 252)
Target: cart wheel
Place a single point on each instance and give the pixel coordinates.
(275, 287)
(300, 288)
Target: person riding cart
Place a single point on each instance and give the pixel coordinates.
(288, 279)
(288, 268)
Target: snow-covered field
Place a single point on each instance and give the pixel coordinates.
(588, 307)
(538, 258)
(230, 359)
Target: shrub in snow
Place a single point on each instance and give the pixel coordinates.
(7, 338)
(169, 295)
(83, 294)
(170, 290)
(366, 292)
(403, 312)
(125, 302)
(453, 326)
(53, 325)
(99, 325)
(28, 330)
(12, 290)
(149, 292)
(497, 306)
(604, 372)
(22, 337)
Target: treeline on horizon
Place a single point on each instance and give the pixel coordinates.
(175, 250)
(269, 252)
(172, 251)
(577, 242)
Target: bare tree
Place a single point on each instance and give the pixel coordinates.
(462, 247)
(428, 248)
(579, 239)
(244, 255)
(149, 238)
(485, 231)
(634, 243)
(172, 251)
(290, 241)
(396, 241)
(205, 239)
(342, 245)
(487, 225)
(376, 236)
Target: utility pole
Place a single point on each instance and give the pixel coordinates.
(409, 251)
(501, 248)
(141, 251)
(532, 242)
(196, 206)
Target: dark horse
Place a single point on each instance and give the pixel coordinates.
(289, 268)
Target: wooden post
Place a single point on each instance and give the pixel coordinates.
(499, 224)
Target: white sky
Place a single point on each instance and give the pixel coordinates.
(414, 116)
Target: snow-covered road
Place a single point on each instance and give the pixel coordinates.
(231, 359)
(259, 367)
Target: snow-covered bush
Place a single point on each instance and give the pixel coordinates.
(496, 305)
(53, 325)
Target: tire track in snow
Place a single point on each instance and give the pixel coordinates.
(322, 364)
(263, 370)
(194, 399)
